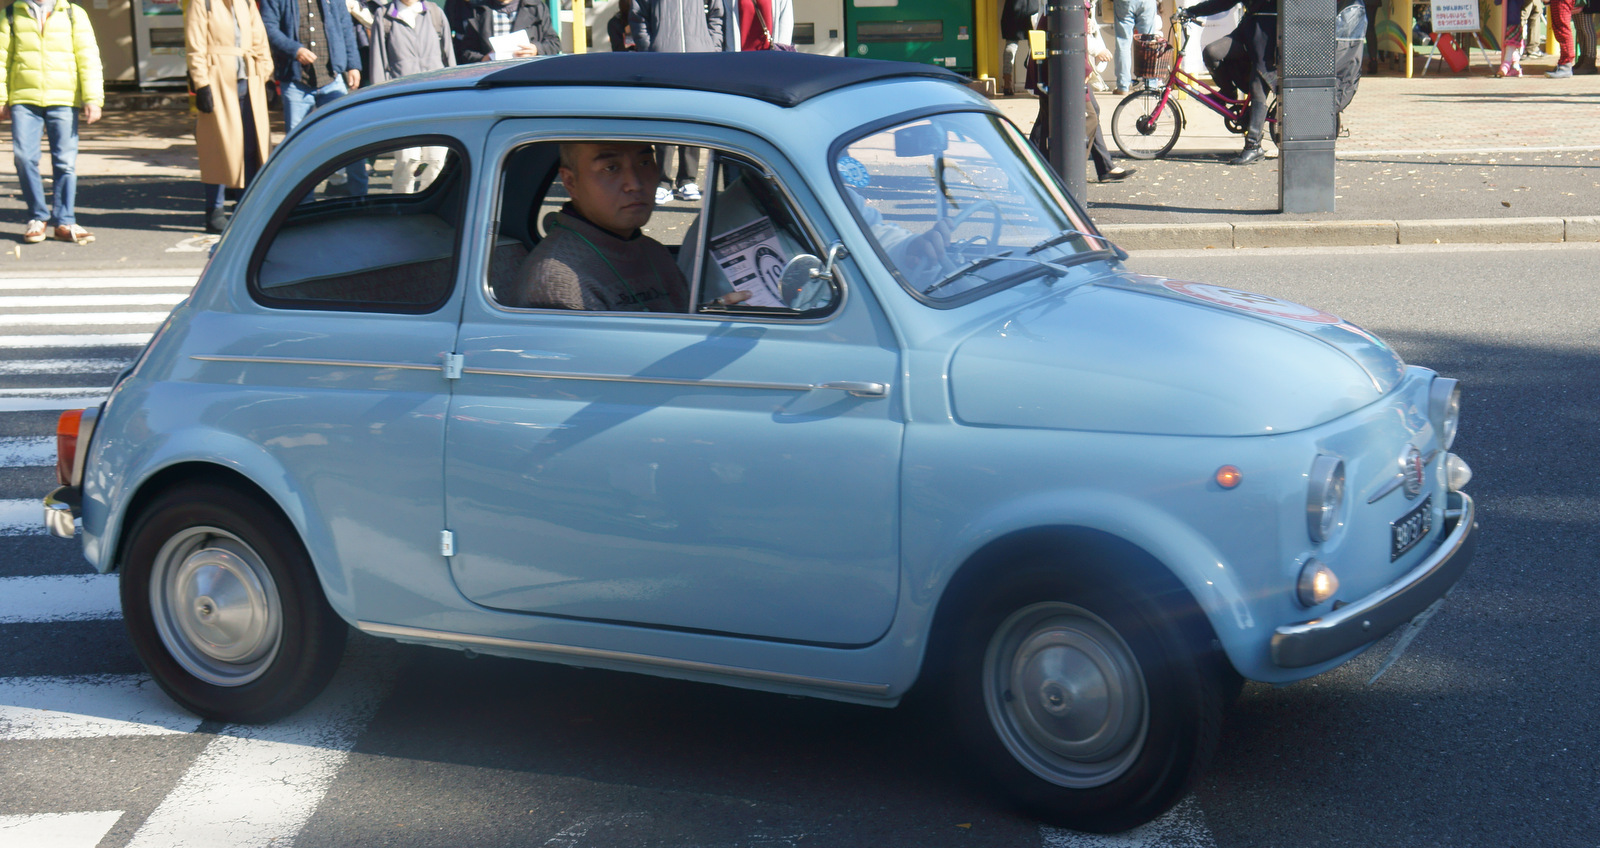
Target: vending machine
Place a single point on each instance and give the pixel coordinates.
(938, 32)
(158, 43)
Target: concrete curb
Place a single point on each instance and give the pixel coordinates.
(1353, 233)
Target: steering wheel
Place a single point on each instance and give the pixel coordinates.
(957, 251)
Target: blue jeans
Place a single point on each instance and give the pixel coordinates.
(1130, 16)
(298, 101)
(60, 123)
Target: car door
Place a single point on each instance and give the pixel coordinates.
(728, 473)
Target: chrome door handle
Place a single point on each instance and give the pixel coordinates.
(859, 388)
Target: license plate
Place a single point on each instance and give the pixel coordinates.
(1413, 528)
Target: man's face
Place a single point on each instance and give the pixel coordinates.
(613, 184)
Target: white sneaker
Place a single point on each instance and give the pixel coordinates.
(688, 191)
(663, 195)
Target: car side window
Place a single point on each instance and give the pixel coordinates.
(375, 231)
(754, 233)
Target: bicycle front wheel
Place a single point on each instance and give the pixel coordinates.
(1137, 134)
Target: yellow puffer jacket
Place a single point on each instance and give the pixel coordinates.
(58, 66)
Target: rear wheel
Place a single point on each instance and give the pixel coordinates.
(1089, 704)
(224, 608)
(1140, 136)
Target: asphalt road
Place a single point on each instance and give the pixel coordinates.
(1478, 736)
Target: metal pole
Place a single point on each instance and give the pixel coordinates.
(1307, 108)
(1066, 50)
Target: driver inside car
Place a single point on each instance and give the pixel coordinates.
(595, 255)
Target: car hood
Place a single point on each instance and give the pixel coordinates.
(1139, 354)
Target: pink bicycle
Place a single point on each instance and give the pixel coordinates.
(1146, 124)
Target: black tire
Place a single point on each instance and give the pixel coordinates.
(1124, 696)
(1139, 137)
(223, 605)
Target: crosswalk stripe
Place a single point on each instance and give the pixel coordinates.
(63, 366)
(57, 830)
(88, 707)
(27, 452)
(21, 517)
(58, 597)
(66, 301)
(73, 319)
(58, 283)
(75, 341)
(50, 400)
(258, 785)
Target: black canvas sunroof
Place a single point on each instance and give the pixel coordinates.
(783, 78)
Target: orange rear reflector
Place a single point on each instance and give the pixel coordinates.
(67, 444)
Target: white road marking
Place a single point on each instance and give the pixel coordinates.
(90, 707)
(56, 283)
(57, 830)
(73, 319)
(20, 517)
(27, 451)
(63, 366)
(67, 301)
(37, 400)
(72, 341)
(1183, 826)
(259, 785)
(59, 597)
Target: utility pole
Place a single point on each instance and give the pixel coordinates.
(1066, 50)
(1308, 116)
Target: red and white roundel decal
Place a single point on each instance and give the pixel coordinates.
(1251, 302)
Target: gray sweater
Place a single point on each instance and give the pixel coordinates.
(677, 26)
(581, 266)
(400, 49)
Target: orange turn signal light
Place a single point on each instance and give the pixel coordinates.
(67, 444)
(1229, 476)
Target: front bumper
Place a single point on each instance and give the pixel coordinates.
(1373, 617)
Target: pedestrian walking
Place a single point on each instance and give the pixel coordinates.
(758, 25)
(317, 61)
(1016, 18)
(1131, 16)
(478, 23)
(1583, 22)
(229, 60)
(408, 37)
(678, 26)
(1561, 22)
(50, 71)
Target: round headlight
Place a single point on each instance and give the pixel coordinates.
(1325, 498)
(1444, 408)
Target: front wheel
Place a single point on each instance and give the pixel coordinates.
(1088, 703)
(1137, 133)
(223, 606)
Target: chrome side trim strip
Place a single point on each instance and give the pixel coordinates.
(859, 389)
(393, 631)
(339, 363)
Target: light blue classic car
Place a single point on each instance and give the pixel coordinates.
(911, 427)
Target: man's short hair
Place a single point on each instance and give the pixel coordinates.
(566, 154)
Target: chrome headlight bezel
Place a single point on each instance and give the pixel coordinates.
(1325, 498)
(1444, 409)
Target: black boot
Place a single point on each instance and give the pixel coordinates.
(216, 220)
(1251, 154)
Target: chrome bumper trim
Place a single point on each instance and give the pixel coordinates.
(1373, 617)
(569, 653)
(60, 509)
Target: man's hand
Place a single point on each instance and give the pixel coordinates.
(204, 100)
(732, 297)
(1102, 55)
(304, 56)
(352, 79)
(525, 51)
(926, 250)
(91, 112)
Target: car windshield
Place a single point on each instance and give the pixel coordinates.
(959, 205)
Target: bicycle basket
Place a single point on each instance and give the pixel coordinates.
(1152, 55)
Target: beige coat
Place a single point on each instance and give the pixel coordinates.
(213, 60)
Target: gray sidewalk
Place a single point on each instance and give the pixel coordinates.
(1441, 158)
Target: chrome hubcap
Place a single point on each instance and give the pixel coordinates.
(1066, 695)
(216, 606)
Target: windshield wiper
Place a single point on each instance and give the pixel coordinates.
(1004, 255)
(1068, 235)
